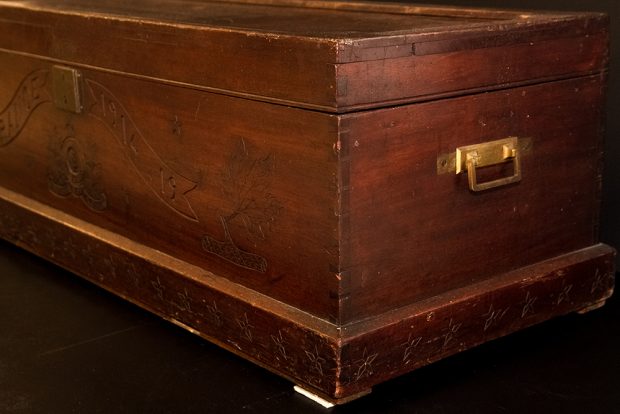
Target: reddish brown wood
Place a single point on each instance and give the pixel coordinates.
(279, 337)
(237, 166)
(429, 232)
(267, 173)
(308, 54)
(423, 76)
(458, 320)
(334, 361)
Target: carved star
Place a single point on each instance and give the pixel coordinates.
(246, 328)
(452, 330)
(528, 306)
(316, 361)
(184, 301)
(564, 294)
(600, 280)
(365, 369)
(131, 270)
(278, 340)
(493, 316)
(159, 288)
(215, 313)
(411, 344)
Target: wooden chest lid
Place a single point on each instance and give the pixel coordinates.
(328, 56)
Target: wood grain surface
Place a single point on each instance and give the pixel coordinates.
(267, 174)
(429, 232)
(223, 183)
(344, 57)
(337, 362)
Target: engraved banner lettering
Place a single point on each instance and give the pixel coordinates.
(169, 186)
(31, 93)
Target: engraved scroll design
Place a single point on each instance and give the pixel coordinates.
(72, 173)
(245, 186)
(168, 185)
(31, 93)
(245, 181)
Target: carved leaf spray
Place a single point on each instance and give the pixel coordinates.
(245, 185)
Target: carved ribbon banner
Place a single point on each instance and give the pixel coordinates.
(169, 186)
(31, 93)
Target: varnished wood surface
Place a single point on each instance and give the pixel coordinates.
(269, 19)
(441, 67)
(429, 232)
(68, 346)
(220, 182)
(335, 361)
(457, 320)
(307, 241)
(294, 18)
(215, 181)
(316, 58)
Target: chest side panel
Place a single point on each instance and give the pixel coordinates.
(464, 65)
(245, 190)
(416, 231)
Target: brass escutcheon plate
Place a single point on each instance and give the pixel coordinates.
(66, 89)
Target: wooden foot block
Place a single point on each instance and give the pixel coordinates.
(592, 307)
(313, 397)
(327, 402)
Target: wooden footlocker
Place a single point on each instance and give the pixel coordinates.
(339, 192)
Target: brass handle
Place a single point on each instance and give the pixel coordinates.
(476, 156)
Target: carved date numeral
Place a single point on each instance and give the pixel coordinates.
(168, 185)
(173, 188)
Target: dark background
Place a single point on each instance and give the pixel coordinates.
(69, 347)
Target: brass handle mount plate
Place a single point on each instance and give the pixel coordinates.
(470, 158)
